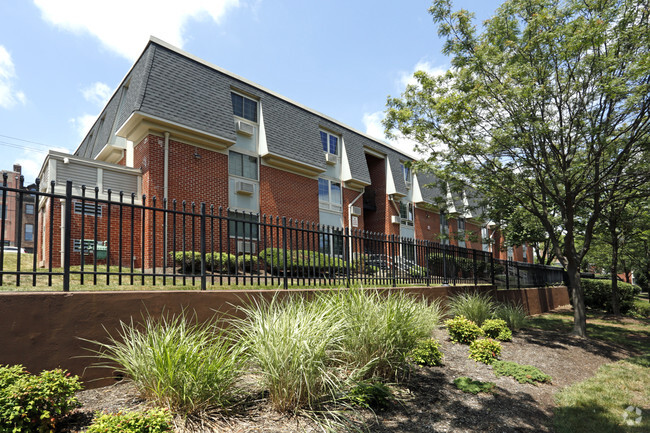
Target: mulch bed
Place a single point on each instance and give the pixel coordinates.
(428, 400)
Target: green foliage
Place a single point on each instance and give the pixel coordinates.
(151, 421)
(176, 362)
(498, 329)
(513, 314)
(371, 394)
(380, 330)
(462, 330)
(466, 384)
(221, 262)
(427, 352)
(248, 263)
(189, 261)
(31, 403)
(361, 265)
(460, 266)
(598, 294)
(418, 271)
(301, 262)
(477, 307)
(521, 373)
(484, 350)
(641, 309)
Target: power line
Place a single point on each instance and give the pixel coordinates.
(26, 141)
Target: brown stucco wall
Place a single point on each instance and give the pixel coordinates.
(47, 330)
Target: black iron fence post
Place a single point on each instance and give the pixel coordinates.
(66, 236)
(518, 278)
(347, 248)
(393, 260)
(507, 275)
(203, 258)
(284, 256)
(19, 227)
(492, 269)
(445, 281)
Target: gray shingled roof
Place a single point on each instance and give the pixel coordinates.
(170, 85)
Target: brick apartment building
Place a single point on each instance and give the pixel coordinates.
(179, 128)
(17, 214)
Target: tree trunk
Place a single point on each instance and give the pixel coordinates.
(578, 298)
(616, 309)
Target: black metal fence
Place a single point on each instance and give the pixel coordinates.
(116, 240)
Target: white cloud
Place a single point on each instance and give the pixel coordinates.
(374, 128)
(9, 96)
(407, 78)
(124, 26)
(83, 123)
(98, 93)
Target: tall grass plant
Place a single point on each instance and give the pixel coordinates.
(477, 307)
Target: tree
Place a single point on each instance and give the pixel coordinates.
(549, 105)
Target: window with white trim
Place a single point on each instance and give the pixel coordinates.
(29, 209)
(329, 195)
(243, 225)
(525, 251)
(29, 232)
(461, 232)
(330, 241)
(406, 172)
(88, 208)
(244, 107)
(511, 253)
(444, 229)
(242, 165)
(485, 239)
(330, 142)
(406, 213)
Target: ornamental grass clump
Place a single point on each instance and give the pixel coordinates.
(462, 330)
(176, 362)
(484, 350)
(513, 314)
(35, 403)
(477, 307)
(294, 345)
(497, 329)
(380, 330)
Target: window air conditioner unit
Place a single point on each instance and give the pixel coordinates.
(331, 159)
(356, 210)
(246, 247)
(244, 188)
(244, 128)
(408, 184)
(395, 219)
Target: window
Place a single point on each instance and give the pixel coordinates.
(330, 142)
(243, 225)
(406, 171)
(461, 232)
(88, 208)
(329, 194)
(406, 213)
(444, 229)
(29, 209)
(485, 239)
(511, 253)
(525, 251)
(331, 242)
(29, 232)
(242, 165)
(244, 107)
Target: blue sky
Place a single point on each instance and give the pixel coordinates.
(60, 60)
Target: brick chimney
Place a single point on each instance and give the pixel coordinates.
(17, 168)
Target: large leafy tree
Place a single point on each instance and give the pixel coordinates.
(548, 104)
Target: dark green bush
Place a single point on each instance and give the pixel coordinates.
(189, 261)
(151, 421)
(484, 350)
(598, 294)
(301, 262)
(221, 262)
(427, 352)
(521, 373)
(462, 330)
(498, 329)
(466, 384)
(372, 394)
(418, 272)
(248, 263)
(30, 403)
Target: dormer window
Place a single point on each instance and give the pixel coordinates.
(407, 173)
(330, 142)
(244, 107)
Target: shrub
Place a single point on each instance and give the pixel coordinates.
(484, 350)
(372, 394)
(462, 330)
(248, 263)
(475, 306)
(498, 329)
(598, 294)
(293, 345)
(380, 331)
(189, 261)
(513, 314)
(151, 421)
(641, 310)
(418, 271)
(361, 265)
(427, 352)
(466, 384)
(30, 403)
(221, 262)
(176, 362)
(521, 373)
(301, 262)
